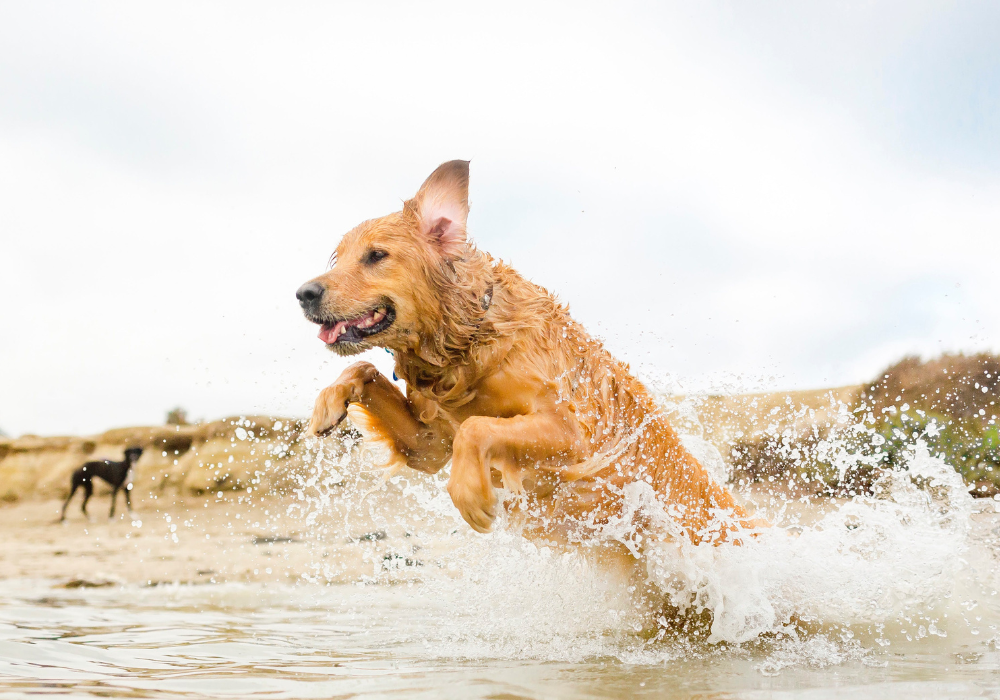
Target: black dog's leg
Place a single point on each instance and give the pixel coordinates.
(114, 497)
(88, 491)
(68, 499)
(128, 498)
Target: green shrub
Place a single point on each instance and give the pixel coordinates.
(972, 448)
(949, 402)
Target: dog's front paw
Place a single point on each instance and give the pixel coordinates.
(331, 404)
(329, 411)
(478, 507)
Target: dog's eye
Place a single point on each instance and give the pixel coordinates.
(374, 256)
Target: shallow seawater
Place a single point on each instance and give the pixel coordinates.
(894, 595)
(231, 640)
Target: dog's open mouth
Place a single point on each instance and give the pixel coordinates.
(354, 330)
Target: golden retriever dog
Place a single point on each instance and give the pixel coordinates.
(500, 380)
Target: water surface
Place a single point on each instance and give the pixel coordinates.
(306, 641)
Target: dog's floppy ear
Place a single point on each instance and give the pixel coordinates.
(441, 206)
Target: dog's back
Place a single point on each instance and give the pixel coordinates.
(630, 439)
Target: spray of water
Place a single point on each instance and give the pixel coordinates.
(913, 563)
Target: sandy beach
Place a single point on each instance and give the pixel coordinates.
(185, 540)
(235, 537)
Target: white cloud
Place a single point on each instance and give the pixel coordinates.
(170, 173)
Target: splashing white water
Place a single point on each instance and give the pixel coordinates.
(833, 579)
(902, 559)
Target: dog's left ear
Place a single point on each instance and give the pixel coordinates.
(441, 206)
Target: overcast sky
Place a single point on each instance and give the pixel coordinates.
(734, 196)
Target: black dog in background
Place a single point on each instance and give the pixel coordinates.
(115, 473)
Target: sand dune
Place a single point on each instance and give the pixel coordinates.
(227, 454)
(263, 451)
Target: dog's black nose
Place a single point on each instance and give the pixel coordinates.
(309, 293)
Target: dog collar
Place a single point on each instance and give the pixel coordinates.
(487, 298)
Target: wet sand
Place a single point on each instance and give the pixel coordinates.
(187, 539)
(190, 539)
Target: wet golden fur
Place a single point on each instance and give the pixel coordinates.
(500, 380)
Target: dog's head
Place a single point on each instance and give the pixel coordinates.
(132, 454)
(383, 288)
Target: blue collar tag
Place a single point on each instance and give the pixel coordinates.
(394, 377)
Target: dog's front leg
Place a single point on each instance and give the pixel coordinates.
(483, 443)
(392, 416)
(331, 405)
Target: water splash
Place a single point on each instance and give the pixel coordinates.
(833, 580)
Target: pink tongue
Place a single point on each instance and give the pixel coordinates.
(329, 334)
